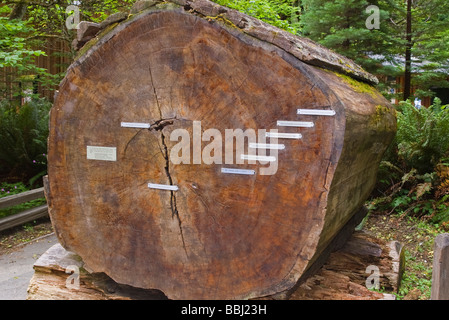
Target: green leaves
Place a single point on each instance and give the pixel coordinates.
(423, 135)
(24, 132)
(14, 50)
(283, 14)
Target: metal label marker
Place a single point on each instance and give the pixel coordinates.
(283, 135)
(139, 125)
(101, 153)
(315, 112)
(163, 187)
(257, 158)
(302, 124)
(269, 146)
(238, 171)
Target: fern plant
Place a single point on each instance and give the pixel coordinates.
(23, 136)
(412, 175)
(423, 135)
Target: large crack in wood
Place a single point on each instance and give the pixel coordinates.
(159, 126)
(173, 205)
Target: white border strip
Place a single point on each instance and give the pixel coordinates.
(301, 124)
(238, 171)
(315, 112)
(253, 157)
(270, 146)
(139, 125)
(283, 135)
(163, 187)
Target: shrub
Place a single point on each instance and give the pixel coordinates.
(423, 136)
(283, 14)
(23, 133)
(414, 174)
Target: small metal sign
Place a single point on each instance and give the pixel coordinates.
(257, 158)
(101, 153)
(163, 187)
(301, 124)
(278, 135)
(139, 125)
(316, 112)
(269, 146)
(238, 171)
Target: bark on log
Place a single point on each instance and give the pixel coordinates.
(350, 272)
(218, 235)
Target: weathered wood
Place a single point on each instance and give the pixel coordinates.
(346, 274)
(20, 198)
(440, 279)
(61, 275)
(217, 236)
(23, 217)
(26, 215)
(85, 32)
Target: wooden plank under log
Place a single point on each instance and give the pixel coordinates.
(193, 71)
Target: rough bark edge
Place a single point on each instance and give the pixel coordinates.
(302, 48)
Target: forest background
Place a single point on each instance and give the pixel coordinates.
(405, 43)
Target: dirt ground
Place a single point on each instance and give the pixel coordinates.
(14, 237)
(417, 237)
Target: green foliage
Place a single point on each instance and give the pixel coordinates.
(13, 49)
(24, 132)
(413, 177)
(18, 43)
(97, 11)
(423, 135)
(341, 26)
(418, 277)
(283, 14)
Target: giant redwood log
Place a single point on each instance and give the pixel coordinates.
(141, 181)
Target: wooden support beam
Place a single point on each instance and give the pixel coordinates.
(440, 277)
(23, 217)
(23, 197)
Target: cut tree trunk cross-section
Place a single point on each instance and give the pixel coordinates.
(147, 182)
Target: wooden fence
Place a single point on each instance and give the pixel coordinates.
(16, 87)
(26, 215)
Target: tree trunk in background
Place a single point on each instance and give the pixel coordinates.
(408, 53)
(18, 11)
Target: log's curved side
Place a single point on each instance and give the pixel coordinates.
(218, 236)
(370, 127)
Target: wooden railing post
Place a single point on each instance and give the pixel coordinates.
(25, 215)
(440, 274)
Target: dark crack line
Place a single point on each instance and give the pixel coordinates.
(135, 136)
(159, 126)
(173, 206)
(155, 93)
